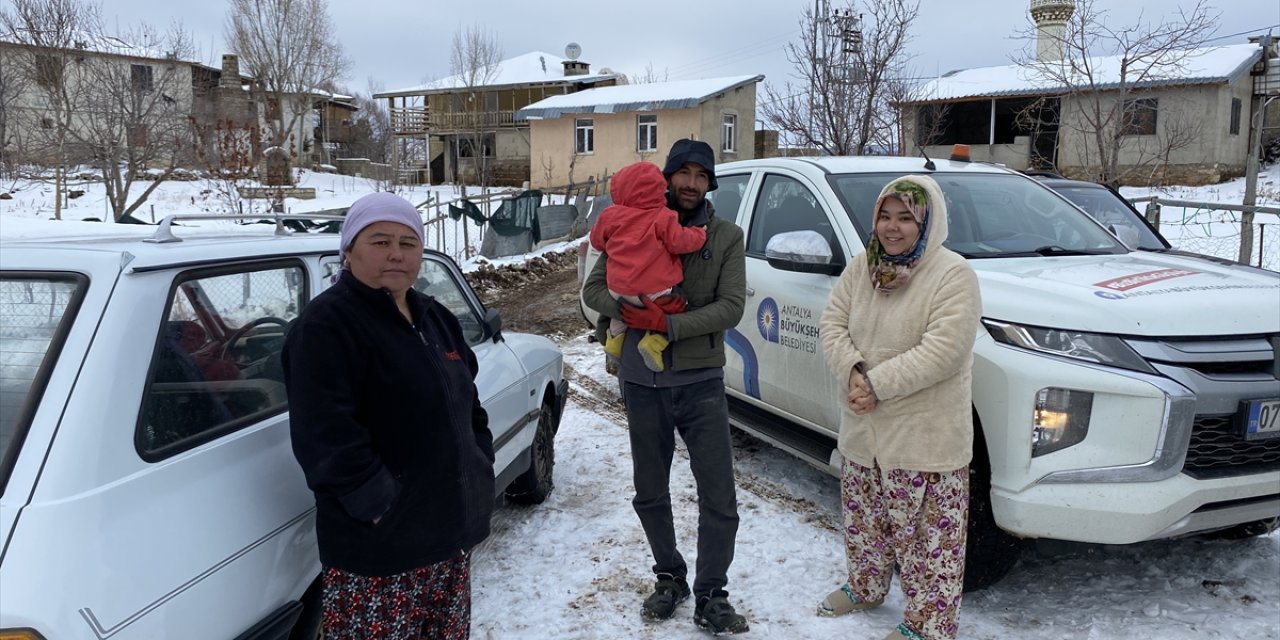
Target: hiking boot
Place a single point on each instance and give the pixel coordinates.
(613, 345)
(651, 347)
(713, 613)
(844, 600)
(668, 593)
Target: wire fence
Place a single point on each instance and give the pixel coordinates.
(1216, 229)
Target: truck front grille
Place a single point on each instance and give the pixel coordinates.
(1218, 450)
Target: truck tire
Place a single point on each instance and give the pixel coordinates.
(535, 484)
(990, 552)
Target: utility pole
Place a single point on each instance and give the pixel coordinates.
(1251, 166)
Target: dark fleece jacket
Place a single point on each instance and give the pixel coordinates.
(386, 421)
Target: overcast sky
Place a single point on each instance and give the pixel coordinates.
(402, 43)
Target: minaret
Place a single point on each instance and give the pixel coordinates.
(1051, 18)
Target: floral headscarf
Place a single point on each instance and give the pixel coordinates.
(889, 272)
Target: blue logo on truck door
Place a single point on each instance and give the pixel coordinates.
(767, 319)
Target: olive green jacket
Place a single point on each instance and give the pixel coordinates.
(715, 283)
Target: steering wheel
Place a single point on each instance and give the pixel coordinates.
(249, 326)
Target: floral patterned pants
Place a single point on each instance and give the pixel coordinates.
(916, 520)
(428, 602)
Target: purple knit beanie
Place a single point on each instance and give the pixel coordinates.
(378, 207)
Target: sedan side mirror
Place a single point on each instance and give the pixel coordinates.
(492, 325)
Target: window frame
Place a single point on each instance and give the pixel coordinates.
(1237, 108)
(142, 78)
(1140, 117)
(584, 136)
(646, 132)
(151, 453)
(53, 353)
(728, 132)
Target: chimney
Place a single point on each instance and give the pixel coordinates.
(1051, 17)
(576, 68)
(230, 78)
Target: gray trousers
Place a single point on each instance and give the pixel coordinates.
(700, 413)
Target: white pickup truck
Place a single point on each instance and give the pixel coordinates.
(1119, 395)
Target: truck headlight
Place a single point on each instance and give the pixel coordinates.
(1060, 419)
(1078, 345)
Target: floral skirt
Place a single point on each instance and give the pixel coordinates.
(428, 602)
(917, 521)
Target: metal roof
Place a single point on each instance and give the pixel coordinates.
(635, 97)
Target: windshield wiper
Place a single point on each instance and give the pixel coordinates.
(1055, 250)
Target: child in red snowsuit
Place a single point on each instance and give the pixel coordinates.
(643, 239)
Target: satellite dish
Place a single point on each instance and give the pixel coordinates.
(572, 51)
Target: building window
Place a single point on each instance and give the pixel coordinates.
(1235, 116)
(48, 72)
(1139, 117)
(141, 77)
(728, 132)
(647, 133)
(469, 144)
(584, 136)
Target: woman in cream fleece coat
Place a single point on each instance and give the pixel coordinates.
(899, 328)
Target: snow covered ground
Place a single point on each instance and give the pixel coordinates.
(578, 566)
(1204, 231)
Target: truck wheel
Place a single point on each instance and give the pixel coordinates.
(990, 552)
(534, 485)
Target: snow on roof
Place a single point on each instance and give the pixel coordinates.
(94, 43)
(1209, 65)
(531, 68)
(634, 97)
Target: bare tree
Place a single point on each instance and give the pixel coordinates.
(53, 34)
(133, 121)
(649, 75)
(1103, 69)
(849, 68)
(12, 86)
(475, 60)
(290, 49)
(371, 126)
(226, 150)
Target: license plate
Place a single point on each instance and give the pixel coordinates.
(1262, 419)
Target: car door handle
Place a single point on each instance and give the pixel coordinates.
(750, 292)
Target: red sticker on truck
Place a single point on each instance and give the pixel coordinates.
(1124, 283)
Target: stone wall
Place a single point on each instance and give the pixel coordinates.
(1180, 174)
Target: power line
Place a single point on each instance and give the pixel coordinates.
(1242, 33)
(721, 59)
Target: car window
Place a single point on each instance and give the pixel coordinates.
(36, 311)
(438, 281)
(1112, 212)
(216, 364)
(990, 215)
(785, 204)
(728, 196)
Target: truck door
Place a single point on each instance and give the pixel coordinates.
(780, 324)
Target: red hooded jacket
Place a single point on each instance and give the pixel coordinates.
(641, 236)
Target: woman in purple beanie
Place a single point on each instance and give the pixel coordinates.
(388, 428)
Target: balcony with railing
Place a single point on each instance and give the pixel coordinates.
(407, 121)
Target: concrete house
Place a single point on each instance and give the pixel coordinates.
(95, 74)
(457, 128)
(598, 131)
(1187, 124)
